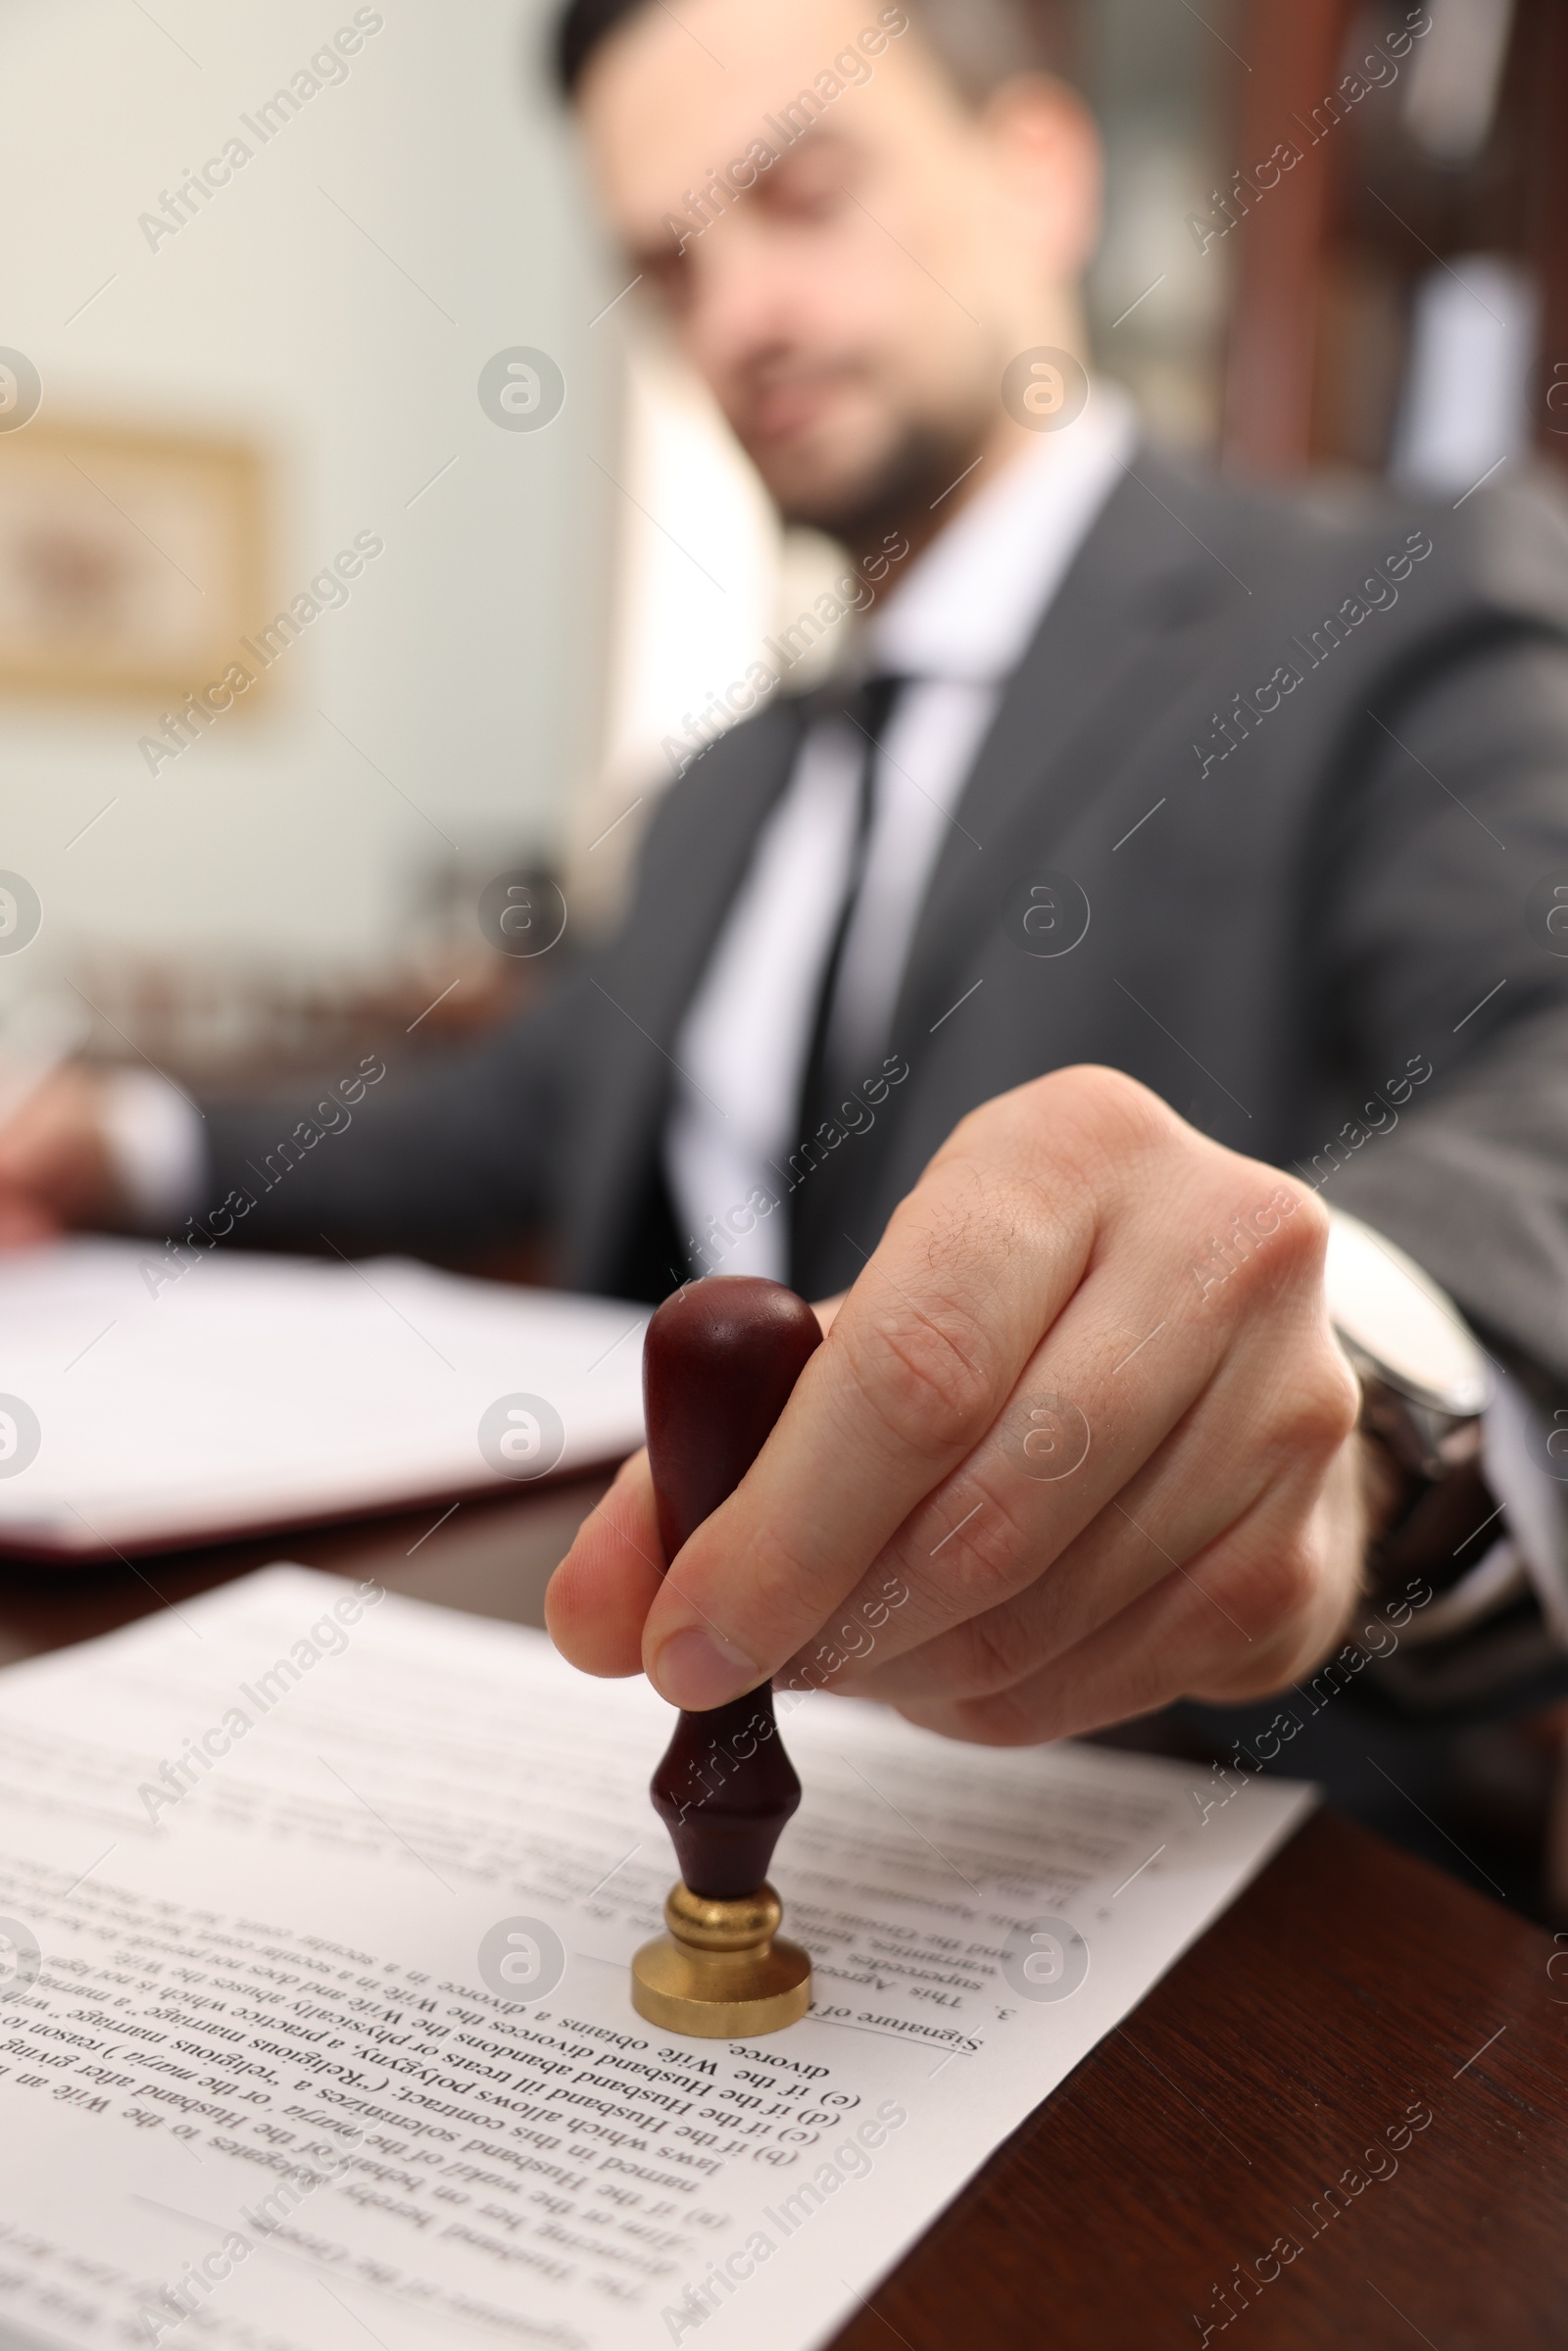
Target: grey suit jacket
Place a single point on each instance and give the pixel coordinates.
(1300, 765)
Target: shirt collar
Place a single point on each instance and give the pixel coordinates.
(975, 596)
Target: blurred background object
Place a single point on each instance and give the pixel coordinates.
(1401, 298)
(259, 268)
(408, 205)
(88, 607)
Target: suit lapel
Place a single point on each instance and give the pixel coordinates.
(1114, 646)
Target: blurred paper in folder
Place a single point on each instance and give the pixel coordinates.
(130, 564)
(251, 1393)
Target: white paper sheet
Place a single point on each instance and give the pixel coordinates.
(258, 2032)
(248, 1391)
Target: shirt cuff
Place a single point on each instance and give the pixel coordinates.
(156, 1147)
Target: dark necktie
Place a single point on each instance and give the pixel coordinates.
(867, 708)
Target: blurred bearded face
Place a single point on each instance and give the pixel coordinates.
(853, 300)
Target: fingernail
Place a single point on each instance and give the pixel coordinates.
(697, 1670)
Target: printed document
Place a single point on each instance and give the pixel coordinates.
(151, 1395)
(317, 1906)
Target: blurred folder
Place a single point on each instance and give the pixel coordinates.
(145, 1407)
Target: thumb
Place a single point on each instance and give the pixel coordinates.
(603, 1589)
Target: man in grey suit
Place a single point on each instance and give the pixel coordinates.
(1175, 859)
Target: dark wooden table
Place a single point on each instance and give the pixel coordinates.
(1349, 1985)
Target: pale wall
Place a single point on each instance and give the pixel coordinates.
(465, 665)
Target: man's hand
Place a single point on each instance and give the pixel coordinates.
(1079, 1441)
(55, 1168)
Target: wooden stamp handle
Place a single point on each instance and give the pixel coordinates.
(719, 1364)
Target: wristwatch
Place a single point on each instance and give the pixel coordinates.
(1425, 1384)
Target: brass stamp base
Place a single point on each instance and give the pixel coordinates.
(721, 1972)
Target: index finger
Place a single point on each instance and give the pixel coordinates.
(925, 1351)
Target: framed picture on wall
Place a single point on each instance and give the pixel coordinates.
(129, 562)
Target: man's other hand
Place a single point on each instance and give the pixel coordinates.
(1079, 1443)
(55, 1168)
